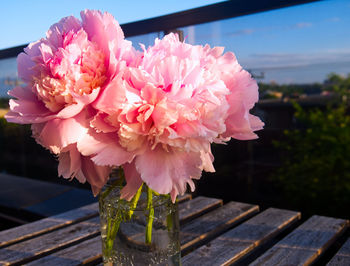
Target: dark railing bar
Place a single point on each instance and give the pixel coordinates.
(219, 11)
(209, 13)
(12, 52)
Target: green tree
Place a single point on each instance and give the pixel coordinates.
(315, 172)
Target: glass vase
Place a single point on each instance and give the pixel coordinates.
(143, 231)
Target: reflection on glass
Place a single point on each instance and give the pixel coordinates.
(300, 44)
(8, 75)
(146, 39)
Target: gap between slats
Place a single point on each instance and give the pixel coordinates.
(342, 257)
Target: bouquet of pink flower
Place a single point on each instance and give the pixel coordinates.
(97, 103)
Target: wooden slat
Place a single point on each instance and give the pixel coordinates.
(206, 227)
(342, 258)
(46, 225)
(243, 239)
(27, 231)
(44, 244)
(196, 207)
(92, 248)
(306, 243)
(82, 253)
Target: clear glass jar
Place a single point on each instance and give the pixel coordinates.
(145, 233)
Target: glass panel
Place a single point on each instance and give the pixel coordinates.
(146, 39)
(8, 75)
(300, 44)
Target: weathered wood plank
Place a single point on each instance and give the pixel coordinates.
(342, 258)
(305, 244)
(33, 248)
(196, 207)
(206, 227)
(82, 253)
(243, 239)
(27, 231)
(46, 225)
(92, 248)
(50, 242)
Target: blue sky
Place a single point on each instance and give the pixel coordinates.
(23, 21)
(310, 34)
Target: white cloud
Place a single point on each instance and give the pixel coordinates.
(302, 25)
(282, 60)
(334, 19)
(242, 32)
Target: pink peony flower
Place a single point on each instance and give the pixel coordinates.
(65, 72)
(166, 111)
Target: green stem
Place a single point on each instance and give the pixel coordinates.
(134, 201)
(169, 222)
(169, 218)
(113, 233)
(150, 216)
(112, 223)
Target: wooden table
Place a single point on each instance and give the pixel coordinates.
(211, 234)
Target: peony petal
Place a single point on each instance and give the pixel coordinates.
(104, 148)
(255, 123)
(88, 98)
(207, 159)
(81, 101)
(70, 164)
(241, 125)
(113, 155)
(25, 64)
(112, 96)
(64, 165)
(164, 116)
(164, 170)
(247, 126)
(59, 133)
(70, 110)
(26, 111)
(93, 142)
(100, 125)
(58, 30)
(133, 181)
(173, 194)
(73, 164)
(46, 53)
(96, 175)
(24, 93)
(101, 28)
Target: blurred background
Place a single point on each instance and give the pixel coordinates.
(298, 52)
